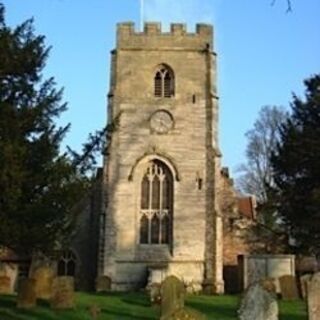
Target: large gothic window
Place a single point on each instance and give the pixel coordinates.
(156, 204)
(164, 82)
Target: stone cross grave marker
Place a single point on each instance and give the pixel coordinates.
(172, 296)
(288, 287)
(258, 304)
(314, 297)
(5, 285)
(62, 293)
(27, 297)
(103, 284)
(43, 277)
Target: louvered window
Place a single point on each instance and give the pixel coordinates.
(164, 82)
(156, 204)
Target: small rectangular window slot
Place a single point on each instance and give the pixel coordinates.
(194, 98)
(199, 183)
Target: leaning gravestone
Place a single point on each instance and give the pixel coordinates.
(172, 296)
(304, 285)
(5, 285)
(258, 304)
(314, 297)
(43, 277)
(27, 297)
(103, 284)
(172, 293)
(288, 287)
(62, 293)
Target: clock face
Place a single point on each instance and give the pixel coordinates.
(161, 121)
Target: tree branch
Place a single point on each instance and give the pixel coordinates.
(289, 5)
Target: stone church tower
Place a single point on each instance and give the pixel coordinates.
(162, 168)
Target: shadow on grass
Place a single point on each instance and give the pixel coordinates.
(137, 299)
(215, 311)
(123, 315)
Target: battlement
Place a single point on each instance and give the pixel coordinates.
(152, 36)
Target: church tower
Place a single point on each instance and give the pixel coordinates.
(161, 171)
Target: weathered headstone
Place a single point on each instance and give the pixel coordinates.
(62, 293)
(43, 277)
(172, 296)
(5, 285)
(27, 297)
(172, 301)
(103, 284)
(304, 285)
(258, 304)
(288, 287)
(314, 297)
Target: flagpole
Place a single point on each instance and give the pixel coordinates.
(141, 14)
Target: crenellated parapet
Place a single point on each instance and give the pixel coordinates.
(152, 37)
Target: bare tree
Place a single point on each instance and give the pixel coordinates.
(256, 174)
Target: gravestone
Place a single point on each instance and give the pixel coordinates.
(103, 284)
(314, 297)
(258, 303)
(43, 277)
(304, 285)
(5, 285)
(172, 301)
(62, 293)
(288, 287)
(172, 296)
(27, 297)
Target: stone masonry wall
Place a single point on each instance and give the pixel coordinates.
(184, 149)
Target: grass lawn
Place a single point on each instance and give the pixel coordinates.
(135, 306)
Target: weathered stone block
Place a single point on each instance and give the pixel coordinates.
(103, 284)
(43, 277)
(63, 293)
(27, 297)
(304, 285)
(5, 285)
(288, 287)
(314, 297)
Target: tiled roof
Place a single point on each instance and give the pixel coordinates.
(247, 207)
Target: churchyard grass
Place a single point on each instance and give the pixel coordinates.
(136, 306)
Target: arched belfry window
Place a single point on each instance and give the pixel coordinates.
(156, 204)
(164, 82)
(67, 264)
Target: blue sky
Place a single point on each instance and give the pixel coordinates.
(263, 52)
